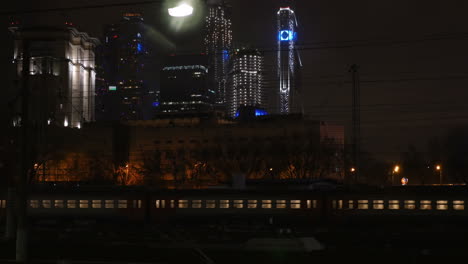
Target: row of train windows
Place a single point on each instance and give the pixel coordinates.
(109, 204)
(396, 204)
(237, 204)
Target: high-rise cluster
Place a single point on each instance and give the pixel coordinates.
(124, 92)
(245, 81)
(218, 42)
(288, 61)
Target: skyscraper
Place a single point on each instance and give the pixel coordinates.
(61, 73)
(124, 93)
(218, 41)
(245, 82)
(184, 86)
(288, 61)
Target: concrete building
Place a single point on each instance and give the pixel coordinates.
(61, 73)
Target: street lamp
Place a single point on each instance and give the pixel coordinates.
(396, 169)
(439, 169)
(181, 10)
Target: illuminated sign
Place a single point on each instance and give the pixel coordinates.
(286, 35)
(112, 88)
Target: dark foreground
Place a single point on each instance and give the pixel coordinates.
(409, 240)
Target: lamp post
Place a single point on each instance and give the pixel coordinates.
(396, 169)
(439, 169)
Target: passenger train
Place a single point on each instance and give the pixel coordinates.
(156, 206)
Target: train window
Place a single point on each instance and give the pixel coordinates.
(224, 204)
(71, 204)
(340, 204)
(296, 204)
(378, 204)
(163, 203)
(442, 205)
(136, 204)
(314, 203)
(183, 204)
(84, 204)
(350, 204)
(122, 204)
(172, 203)
(196, 204)
(458, 205)
(96, 204)
(58, 204)
(252, 204)
(363, 204)
(393, 204)
(425, 205)
(109, 204)
(309, 204)
(46, 204)
(2, 204)
(210, 204)
(410, 204)
(32, 204)
(238, 204)
(266, 204)
(156, 203)
(334, 204)
(281, 204)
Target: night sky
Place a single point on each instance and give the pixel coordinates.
(413, 57)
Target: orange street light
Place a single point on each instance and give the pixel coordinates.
(439, 168)
(353, 169)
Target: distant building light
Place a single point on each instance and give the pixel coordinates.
(112, 88)
(155, 104)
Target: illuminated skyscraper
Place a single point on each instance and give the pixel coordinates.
(245, 81)
(288, 61)
(218, 41)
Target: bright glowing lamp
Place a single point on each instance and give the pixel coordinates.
(181, 10)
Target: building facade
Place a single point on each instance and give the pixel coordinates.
(245, 81)
(62, 73)
(123, 92)
(184, 85)
(288, 61)
(218, 42)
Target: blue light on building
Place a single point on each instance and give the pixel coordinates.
(260, 112)
(139, 47)
(155, 104)
(225, 55)
(287, 35)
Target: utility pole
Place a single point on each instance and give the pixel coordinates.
(25, 162)
(356, 119)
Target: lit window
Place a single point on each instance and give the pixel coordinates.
(196, 204)
(109, 204)
(183, 204)
(314, 203)
(393, 204)
(425, 205)
(46, 204)
(172, 203)
(281, 204)
(252, 204)
(363, 204)
(32, 204)
(71, 204)
(210, 204)
(238, 204)
(410, 204)
(442, 205)
(96, 204)
(296, 204)
(266, 204)
(122, 204)
(378, 204)
(350, 204)
(458, 205)
(156, 203)
(224, 204)
(58, 203)
(83, 203)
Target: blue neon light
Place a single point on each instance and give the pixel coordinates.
(259, 112)
(139, 47)
(287, 35)
(155, 104)
(225, 55)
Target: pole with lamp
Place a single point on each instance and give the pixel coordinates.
(396, 169)
(439, 169)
